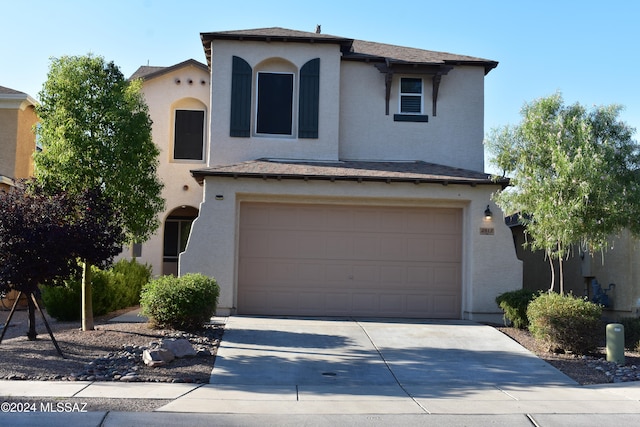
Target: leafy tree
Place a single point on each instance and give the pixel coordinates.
(42, 235)
(96, 133)
(574, 176)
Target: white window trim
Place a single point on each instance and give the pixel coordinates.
(294, 106)
(401, 94)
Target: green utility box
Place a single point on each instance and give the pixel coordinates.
(615, 343)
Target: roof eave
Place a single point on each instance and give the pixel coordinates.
(208, 38)
(200, 175)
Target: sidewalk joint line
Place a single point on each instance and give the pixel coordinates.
(531, 420)
(83, 389)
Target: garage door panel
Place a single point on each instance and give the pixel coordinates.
(338, 273)
(366, 247)
(345, 260)
(255, 242)
(446, 276)
(338, 246)
(310, 272)
(444, 305)
(370, 274)
(337, 302)
(446, 250)
(309, 302)
(252, 271)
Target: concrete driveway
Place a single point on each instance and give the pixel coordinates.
(420, 356)
(268, 365)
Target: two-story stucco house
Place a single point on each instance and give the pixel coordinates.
(344, 178)
(178, 101)
(17, 139)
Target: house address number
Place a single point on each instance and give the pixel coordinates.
(486, 231)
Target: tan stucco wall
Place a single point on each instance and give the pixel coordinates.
(163, 95)
(27, 118)
(490, 266)
(8, 141)
(17, 138)
(453, 137)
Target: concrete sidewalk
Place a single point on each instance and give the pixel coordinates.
(273, 371)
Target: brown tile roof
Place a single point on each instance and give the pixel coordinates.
(370, 50)
(9, 91)
(409, 171)
(352, 49)
(146, 72)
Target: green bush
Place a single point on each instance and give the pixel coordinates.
(514, 304)
(185, 303)
(112, 289)
(126, 279)
(63, 302)
(631, 332)
(566, 322)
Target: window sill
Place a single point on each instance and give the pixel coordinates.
(410, 118)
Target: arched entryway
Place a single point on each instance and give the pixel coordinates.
(177, 227)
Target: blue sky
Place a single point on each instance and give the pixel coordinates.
(587, 50)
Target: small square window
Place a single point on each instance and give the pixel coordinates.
(411, 96)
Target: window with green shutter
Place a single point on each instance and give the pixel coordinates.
(240, 125)
(309, 103)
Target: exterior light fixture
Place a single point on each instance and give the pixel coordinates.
(487, 213)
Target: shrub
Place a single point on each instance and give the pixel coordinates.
(63, 302)
(185, 303)
(127, 278)
(631, 332)
(112, 289)
(514, 304)
(566, 322)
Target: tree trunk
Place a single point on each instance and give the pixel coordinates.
(87, 304)
(553, 274)
(31, 333)
(561, 274)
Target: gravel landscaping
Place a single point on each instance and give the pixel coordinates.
(589, 369)
(111, 352)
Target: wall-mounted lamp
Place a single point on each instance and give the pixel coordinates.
(487, 213)
(219, 197)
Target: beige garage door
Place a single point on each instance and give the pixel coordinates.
(326, 260)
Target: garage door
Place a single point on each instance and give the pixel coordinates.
(326, 260)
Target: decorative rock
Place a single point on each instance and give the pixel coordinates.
(157, 357)
(179, 347)
(129, 378)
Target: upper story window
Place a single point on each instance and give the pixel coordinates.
(287, 100)
(274, 111)
(188, 142)
(411, 98)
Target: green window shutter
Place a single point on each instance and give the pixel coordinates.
(240, 125)
(309, 99)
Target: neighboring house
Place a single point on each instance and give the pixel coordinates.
(617, 265)
(178, 101)
(344, 178)
(17, 138)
